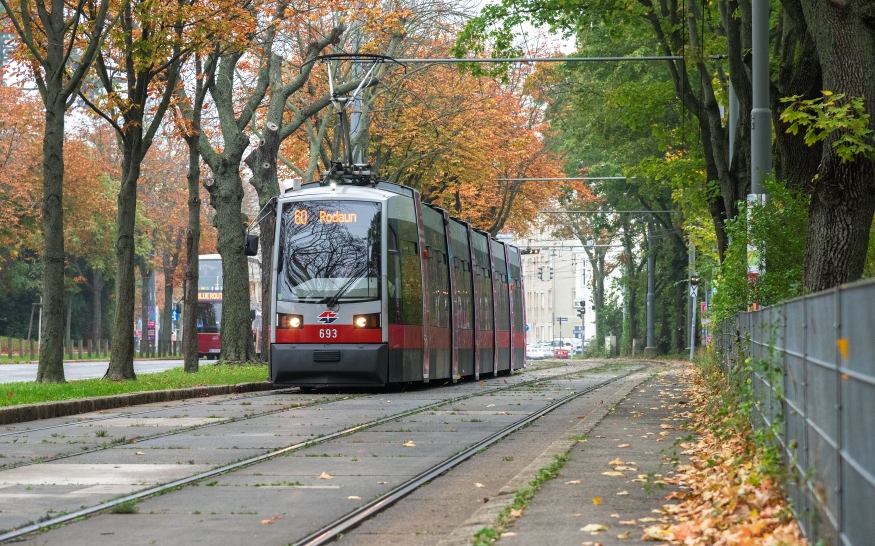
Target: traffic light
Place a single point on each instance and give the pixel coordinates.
(694, 280)
(551, 273)
(530, 251)
(541, 273)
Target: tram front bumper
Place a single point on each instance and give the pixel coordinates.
(329, 365)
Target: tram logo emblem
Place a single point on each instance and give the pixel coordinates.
(327, 317)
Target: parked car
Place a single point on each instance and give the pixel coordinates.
(537, 351)
(560, 352)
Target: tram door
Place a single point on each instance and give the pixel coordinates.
(484, 297)
(463, 297)
(404, 292)
(502, 319)
(518, 307)
(437, 269)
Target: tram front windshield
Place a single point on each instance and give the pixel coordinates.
(329, 252)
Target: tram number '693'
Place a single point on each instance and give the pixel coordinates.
(327, 333)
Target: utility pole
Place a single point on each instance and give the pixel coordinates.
(760, 127)
(650, 348)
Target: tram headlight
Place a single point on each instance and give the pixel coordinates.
(289, 322)
(371, 320)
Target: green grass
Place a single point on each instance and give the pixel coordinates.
(12, 394)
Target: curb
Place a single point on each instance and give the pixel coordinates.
(65, 408)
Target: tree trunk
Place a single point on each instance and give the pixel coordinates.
(843, 197)
(51, 351)
(680, 304)
(236, 328)
(169, 263)
(69, 318)
(97, 286)
(121, 363)
(192, 249)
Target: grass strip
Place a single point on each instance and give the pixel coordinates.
(12, 394)
(522, 498)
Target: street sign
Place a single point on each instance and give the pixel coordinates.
(174, 316)
(576, 329)
(527, 327)
(561, 319)
(694, 290)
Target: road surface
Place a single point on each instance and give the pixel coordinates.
(14, 373)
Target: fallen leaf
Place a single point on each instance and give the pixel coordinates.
(626, 534)
(483, 385)
(575, 515)
(326, 476)
(615, 515)
(267, 522)
(624, 445)
(516, 513)
(409, 444)
(616, 461)
(663, 433)
(628, 522)
(508, 534)
(621, 493)
(646, 520)
(354, 497)
(478, 485)
(139, 453)
(612, 473)
(382, 483)
(596, 500)
(572, 482)
(632, 468)
(660, 439)
(491, 406)
(593, 528)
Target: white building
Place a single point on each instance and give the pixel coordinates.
(557, 274)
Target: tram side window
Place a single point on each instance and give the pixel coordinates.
(411, 284)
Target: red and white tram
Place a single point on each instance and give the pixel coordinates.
(374, 287)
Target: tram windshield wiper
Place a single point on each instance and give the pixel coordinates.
(363, 271)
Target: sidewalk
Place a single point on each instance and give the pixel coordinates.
(615, 478)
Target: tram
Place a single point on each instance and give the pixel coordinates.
(374, 287)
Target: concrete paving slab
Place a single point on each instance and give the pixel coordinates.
(98, 474)
(318, 502)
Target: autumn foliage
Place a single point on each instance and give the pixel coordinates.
(731, 497)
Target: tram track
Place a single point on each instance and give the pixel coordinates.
(343, 524)
(355, 517)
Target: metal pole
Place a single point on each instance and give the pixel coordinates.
(695, 293)
(761, 115)
(650, 349)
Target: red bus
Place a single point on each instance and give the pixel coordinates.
(209, 305)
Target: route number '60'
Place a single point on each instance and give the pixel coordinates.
(327, 333)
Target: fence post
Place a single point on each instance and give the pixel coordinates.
(9, 349)
(80, 348)
(70, 348)
(31, 349)
(20, 349)
(839, 436)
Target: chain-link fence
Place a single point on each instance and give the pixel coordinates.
(814, 362)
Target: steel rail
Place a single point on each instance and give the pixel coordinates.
(343, 524)
(116, 416)
(65, 518)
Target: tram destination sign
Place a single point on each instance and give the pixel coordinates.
(209, 295)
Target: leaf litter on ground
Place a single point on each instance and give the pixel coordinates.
(727, 499)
